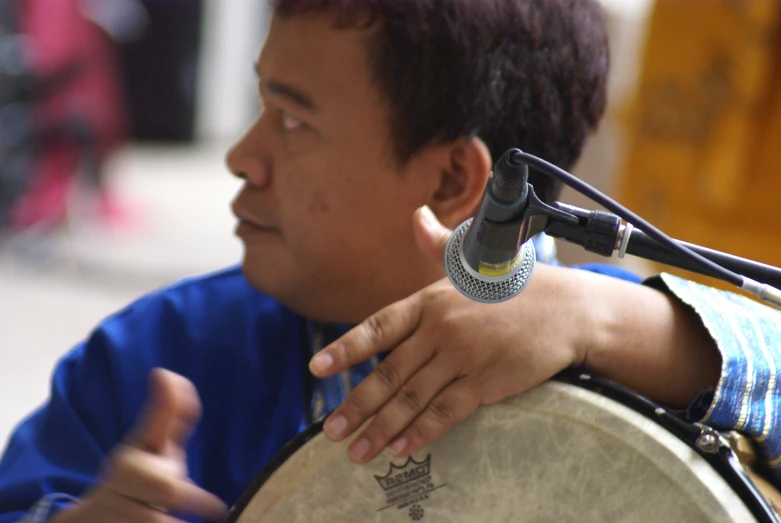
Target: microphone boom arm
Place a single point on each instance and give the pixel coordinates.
(489, 258)
(603, 233)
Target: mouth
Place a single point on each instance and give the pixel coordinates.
(247, 226)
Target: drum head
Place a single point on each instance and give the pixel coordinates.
(556, 453)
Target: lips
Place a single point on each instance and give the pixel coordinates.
(255, 226)
(251, 222)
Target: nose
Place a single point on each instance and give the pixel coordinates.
(248, 160)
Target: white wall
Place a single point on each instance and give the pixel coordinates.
(233, 32)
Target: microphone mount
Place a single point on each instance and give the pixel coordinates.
(603, 233)
(512, 212)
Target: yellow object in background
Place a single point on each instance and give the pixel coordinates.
(703, 161)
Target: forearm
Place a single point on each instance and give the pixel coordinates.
(648, 341)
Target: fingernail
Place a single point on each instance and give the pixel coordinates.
(429, 218)
(321, 363)
(335, 427)
(398, 446)
(359, 449)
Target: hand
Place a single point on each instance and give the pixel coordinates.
(449, 355)
(146, 477)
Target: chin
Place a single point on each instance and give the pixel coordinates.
(264, 279)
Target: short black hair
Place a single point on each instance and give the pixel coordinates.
(530, 74)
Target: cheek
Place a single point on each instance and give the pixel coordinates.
(318, 204)
(317, 221)
(336, 227)
(349, 213)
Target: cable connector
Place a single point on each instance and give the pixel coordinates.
(762, 291)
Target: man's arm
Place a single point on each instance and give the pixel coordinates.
(747, 397)
(647, 340)
(55, 454)
(451, 354)
(79, 457)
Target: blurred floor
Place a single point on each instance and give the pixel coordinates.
(54, 289)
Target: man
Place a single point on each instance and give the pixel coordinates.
(374, 113)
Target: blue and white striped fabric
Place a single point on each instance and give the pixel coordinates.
(747, 398)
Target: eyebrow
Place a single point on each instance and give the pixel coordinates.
(289, 92)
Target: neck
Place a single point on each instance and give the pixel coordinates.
(357, 304)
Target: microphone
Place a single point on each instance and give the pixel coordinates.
(488, 258)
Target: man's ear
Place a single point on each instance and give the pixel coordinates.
(463, 179)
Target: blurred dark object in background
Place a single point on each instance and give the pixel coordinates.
(161, 71)
(14, 112)
(62, 108)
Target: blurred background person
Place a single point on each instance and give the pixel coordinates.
(63, 107)
(114, 120)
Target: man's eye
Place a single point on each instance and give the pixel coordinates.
(290, 122)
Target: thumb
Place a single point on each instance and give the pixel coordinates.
(430, 235)
(170, 414)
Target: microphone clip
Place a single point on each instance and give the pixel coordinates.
(511, 212)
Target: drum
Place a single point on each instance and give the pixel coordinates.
(576, 448)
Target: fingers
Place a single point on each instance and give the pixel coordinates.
(404, 405)
(452, 405)
(146, 477)
(122, 510)
(171, 412)
(430, 235)
(157, 482)
(379, 333)
(376, 390)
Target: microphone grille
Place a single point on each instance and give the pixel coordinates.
(486, 289)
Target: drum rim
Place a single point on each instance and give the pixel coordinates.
(724, 461)
(272, 466)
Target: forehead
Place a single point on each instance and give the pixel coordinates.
(309, 52)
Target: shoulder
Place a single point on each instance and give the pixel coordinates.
(210, 297)
(206, 328)
(210, 313)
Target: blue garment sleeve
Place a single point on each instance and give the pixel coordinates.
(56, 453)
(242, 351)
(748, 335)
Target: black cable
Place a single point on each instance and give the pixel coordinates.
(642, 245)
(611, 205)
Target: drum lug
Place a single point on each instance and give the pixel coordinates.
(709, 440)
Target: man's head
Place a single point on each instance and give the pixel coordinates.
(376, 107)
